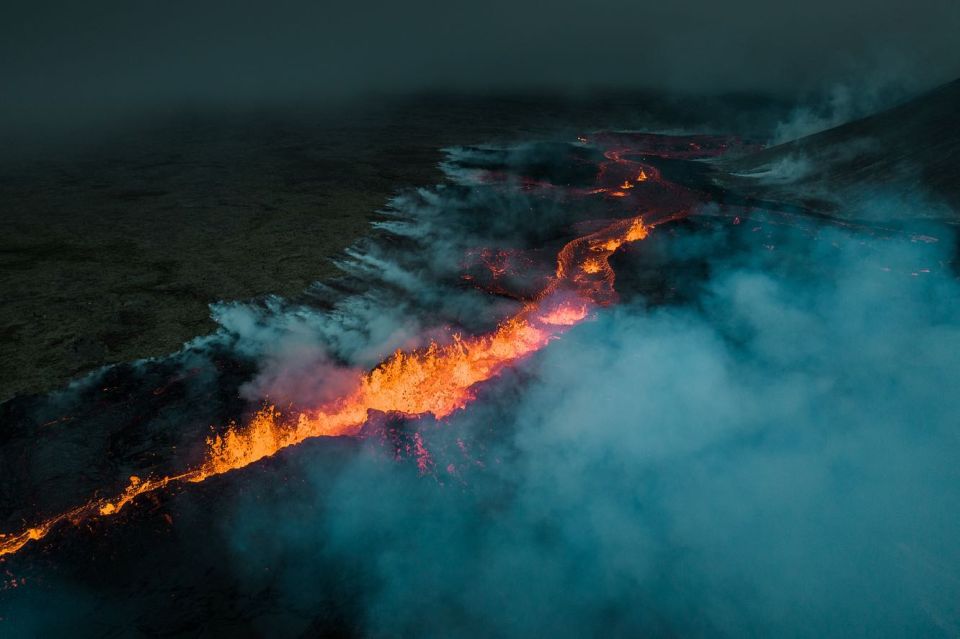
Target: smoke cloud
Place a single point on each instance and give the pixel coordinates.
(861, 95)
(770, 451)
(774, 458)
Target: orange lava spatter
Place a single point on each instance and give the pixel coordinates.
(439, 380)
(442, 378)
(436, 380)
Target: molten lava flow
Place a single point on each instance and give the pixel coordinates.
(12, 543)
(437, 380)
(441, 379)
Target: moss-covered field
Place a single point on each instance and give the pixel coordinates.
(112, 249)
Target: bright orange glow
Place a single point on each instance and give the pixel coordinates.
(437, 380)
(441, 378)
(11, 543)
(566, 315)
(608, 245)
(591, 266)
(636, 231)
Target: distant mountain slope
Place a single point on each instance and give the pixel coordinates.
(910, 153)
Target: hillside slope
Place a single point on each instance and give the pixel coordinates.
(907, 157)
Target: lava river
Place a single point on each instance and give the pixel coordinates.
(441, 378)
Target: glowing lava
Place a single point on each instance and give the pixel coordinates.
(441, 378)
(437, 380)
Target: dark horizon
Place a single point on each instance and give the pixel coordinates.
(69, 68)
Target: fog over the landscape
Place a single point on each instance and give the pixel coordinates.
(773, 458)
(769, 452)
(67, 65)
(747, 466)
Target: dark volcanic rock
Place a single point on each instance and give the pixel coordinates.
(908, 155)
